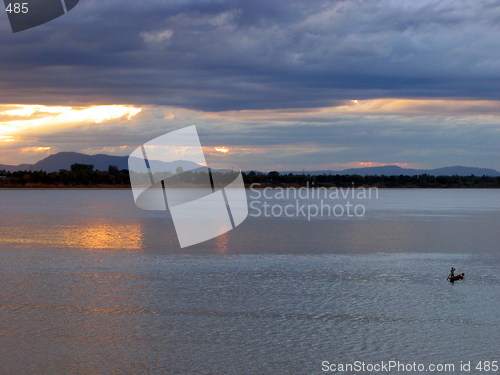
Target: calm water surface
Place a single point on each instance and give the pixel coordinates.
(91, 285)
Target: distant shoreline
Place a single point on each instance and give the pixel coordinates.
(262, 186)
(59, 187)
(82, 176)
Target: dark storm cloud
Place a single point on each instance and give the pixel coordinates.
(215, 55)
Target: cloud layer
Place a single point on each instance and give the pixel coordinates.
(237, 54)
(376, 132)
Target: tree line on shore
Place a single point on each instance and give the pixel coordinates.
(83, 175)
(78, 175)
(382, 181)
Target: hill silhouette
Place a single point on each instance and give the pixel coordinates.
(101, 162)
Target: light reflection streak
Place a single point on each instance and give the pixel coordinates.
(104, 236)
(222, 244)
(93, 236)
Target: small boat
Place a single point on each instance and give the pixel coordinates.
(457, 277)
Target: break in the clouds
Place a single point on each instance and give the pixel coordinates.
(412, 133)
(238, 54)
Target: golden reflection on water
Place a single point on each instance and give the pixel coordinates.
(222, 244)
(100, 235)
(104, 236)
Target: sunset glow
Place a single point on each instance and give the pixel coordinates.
(223, 150)
(35, 149)
(4, 138)
(16, 118)
(376, 107)
(375, 164)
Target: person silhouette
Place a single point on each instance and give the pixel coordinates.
(452, 273)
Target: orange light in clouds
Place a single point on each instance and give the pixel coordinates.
(19, 117)
(4, 138)
(375, 164)
(35, 149)
(224, 150)
(382, 106)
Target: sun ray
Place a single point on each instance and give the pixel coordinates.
(20, 117)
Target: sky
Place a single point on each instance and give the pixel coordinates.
(280, 84)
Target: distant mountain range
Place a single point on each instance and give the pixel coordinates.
(101, 162)
(63, 160)
(394, 170)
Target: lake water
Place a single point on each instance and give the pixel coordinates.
(89, 284)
